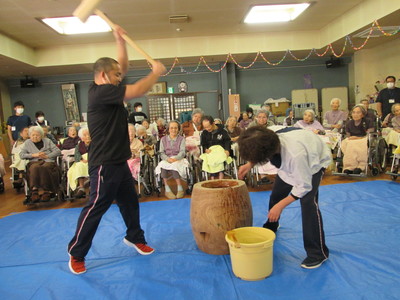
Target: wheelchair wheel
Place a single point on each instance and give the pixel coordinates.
(374, 171)
(147, 190)
(394, 178)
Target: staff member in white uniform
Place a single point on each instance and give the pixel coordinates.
(301, 158)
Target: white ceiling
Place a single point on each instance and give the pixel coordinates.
(149, 19)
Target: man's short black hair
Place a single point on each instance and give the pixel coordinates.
(137, 104)
(208, 118)
(105, 64)
(19, 103)
(22, 129)
(391, 76)
(258, 144)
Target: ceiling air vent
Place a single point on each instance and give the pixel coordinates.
(376, 32)
(179, 19)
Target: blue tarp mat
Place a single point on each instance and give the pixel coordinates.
(362, 227)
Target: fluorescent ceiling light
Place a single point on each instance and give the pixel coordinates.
(275, 13)
(72, 25)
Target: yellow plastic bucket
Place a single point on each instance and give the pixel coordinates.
(251, 250)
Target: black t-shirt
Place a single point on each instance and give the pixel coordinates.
(388, 97)
(359, 130)
(137, 117)
(108, 125)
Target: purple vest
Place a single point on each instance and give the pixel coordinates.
(172, 149)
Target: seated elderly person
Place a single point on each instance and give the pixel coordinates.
(18, 163)
(162, 130)
(193, 127)
(191, 131)
(245, 121)
(268, 108)
(148, 141)
(78, 173)
(42, 171)
(333, 119)
(310, 123)
(69, 143)
(136, 146)
(72, 139)
(372, 114)
(289, 120)
(46, 130)
(173, 163)
(392, 119)
(232, 128)
(355, 146)
(261, 119)
(216, 144)
(391, 125)
(149, 128)
(234, 132)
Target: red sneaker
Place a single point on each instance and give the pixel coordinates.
(77, 265)
(139, 247)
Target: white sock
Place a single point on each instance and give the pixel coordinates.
(167, 188)
(180, 188)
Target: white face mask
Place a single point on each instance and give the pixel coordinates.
(40, 119)
(390, 85)
(20, 111)
(139, 109)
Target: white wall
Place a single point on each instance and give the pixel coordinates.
(371, 65)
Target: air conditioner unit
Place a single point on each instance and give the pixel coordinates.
(179, 19)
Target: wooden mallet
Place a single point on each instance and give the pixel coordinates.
(84, 10)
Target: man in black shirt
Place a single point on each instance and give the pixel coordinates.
(137, 116)
(387, 97)
(110, 177)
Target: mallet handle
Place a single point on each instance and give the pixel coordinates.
(125, 37)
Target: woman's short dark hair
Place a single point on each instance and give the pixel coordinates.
(258, 144)
(137, 104)
(208, 118)
(39, 113)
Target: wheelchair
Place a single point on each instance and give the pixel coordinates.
(188, 178)
(377, 157)
(18, 167)
(58, 195)
(230, 169)
(146, 177)
(394, 171)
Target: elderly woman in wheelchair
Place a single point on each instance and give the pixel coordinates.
(355, 146)
(42, 170)
(173, 163)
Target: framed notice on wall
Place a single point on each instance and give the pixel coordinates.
(70, 103)
(158, 88)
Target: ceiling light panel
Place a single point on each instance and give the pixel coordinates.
(72, 25)
(274, 13)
